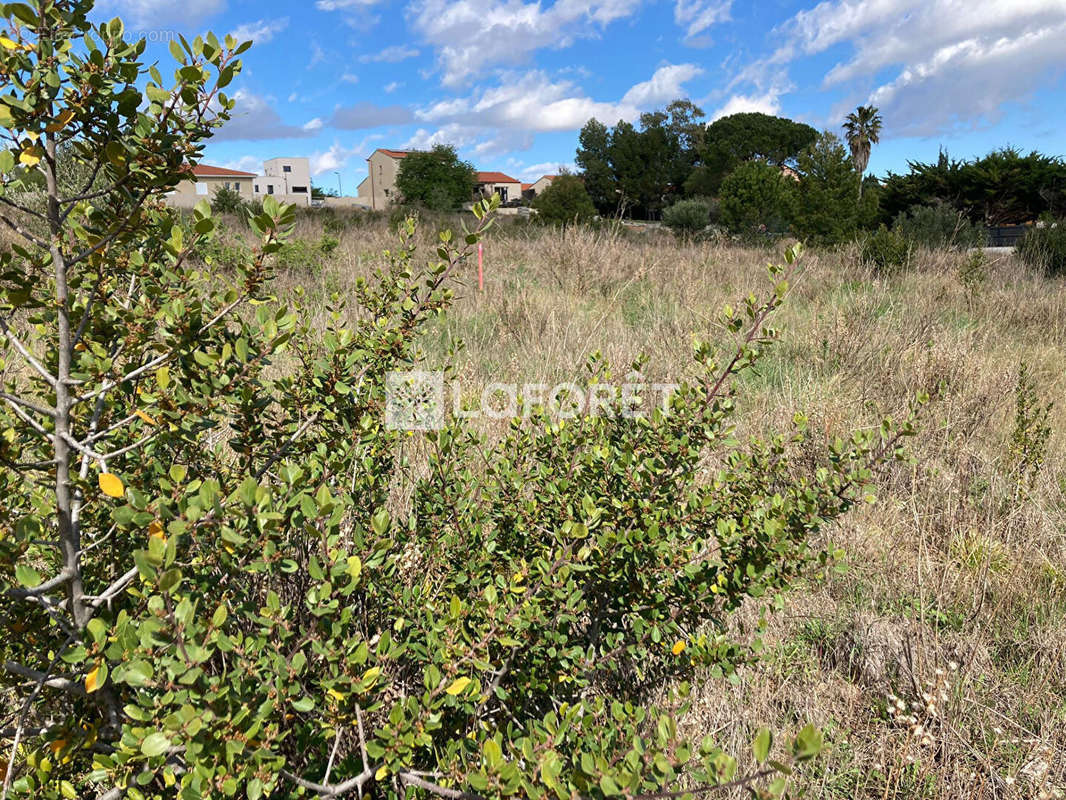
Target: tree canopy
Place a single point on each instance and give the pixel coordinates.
(1004, 187)
(732, 140)
(564, 202)
(436, 179)
(641, 168)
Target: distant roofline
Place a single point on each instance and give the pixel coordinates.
(209, 171)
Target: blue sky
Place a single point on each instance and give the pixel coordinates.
(510, 82)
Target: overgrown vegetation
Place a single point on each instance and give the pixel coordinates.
(1044, 248)
(436, 179)
(201, 533)
(565, 202)
(688, 218)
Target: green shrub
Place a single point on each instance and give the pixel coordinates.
(1044, 248)
(757, 196)
(938, 227)
(686, 218)
(886, 250)
(209, 584)
(565, 202)
(827, 206)
(225, 200)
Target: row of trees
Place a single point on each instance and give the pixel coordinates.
(641, 169)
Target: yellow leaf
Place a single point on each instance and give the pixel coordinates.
(155, 530)
(458, 685)
(57, 746)
(29, 157)
(145, 417)
(65, 116)
(371, 674)
(382, 772)
(92, 680)
(678, 648)
(335, 695)
(7, 44)
(111, 485)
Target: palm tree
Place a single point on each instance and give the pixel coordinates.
(862, 129)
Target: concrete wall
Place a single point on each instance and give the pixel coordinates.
(190, 192)
(513, 190)
(288, 179)
(379, 188)
(345, 202)
(540, 185)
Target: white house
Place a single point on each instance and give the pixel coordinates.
(288, 179)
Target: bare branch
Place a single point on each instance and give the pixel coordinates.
(43, 679)
(113, 589)
(44, 412)
(26, 354)
(331, 790)
(64, 576)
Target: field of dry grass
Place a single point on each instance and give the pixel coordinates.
(936, 662)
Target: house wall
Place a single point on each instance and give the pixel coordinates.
(514, 190)
(379, 187)
(540, 185)
(190, 192)
(292, 186)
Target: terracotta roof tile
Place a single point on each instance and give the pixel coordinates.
(207, 171)
(494, 177)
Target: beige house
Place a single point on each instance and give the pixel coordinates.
(378, 189)
(288, 179)
(205, 180)
(541, 183)
(490, 183)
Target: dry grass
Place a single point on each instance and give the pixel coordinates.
(955, 564)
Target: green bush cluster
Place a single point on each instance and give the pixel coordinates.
(208, 585)
(886, 251)
(1044, 248)
(564, 202)
(756, 196)
(688, 218)
(938, 227)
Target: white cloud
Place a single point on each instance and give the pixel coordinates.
(260, 32)
(470, 35)
(313, 125)
(696, 16)
(737, 104)
(341, 5)
(664, 86)
(948, 62)
(349, 77)
(390, 55)
(534, 171)
(534, 103)
(391, 87)
(254, 118)
(245, 164)
(149, 15)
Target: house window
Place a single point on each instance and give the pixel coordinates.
(201, 188)
(286, 168)
(257, 188)
(270, 188)
(502, 192)
(299, 190)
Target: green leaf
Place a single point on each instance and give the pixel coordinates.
(808, 743)
(608, 786)
(761, 746)
(27, 576)
(155, 744)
